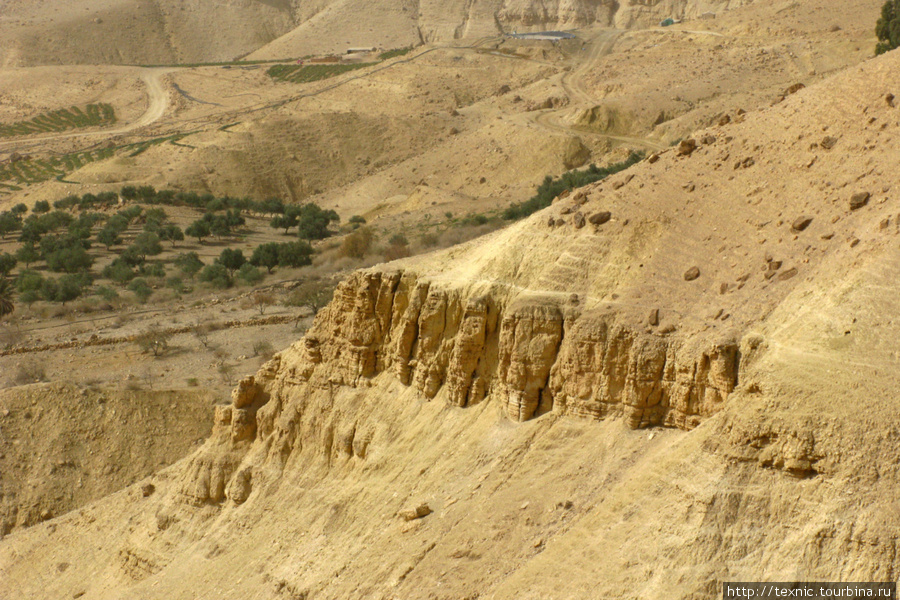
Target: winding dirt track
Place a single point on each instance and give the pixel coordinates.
(572, 83)
(157, 105)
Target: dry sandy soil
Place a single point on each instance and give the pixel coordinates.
(679, 376)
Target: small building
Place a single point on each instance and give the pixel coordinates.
(360, 50)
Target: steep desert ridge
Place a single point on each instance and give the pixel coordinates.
(482, 381)
(346, 23)
(39, 32)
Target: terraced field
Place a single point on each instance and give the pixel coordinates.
(310, 73)
(92, 115)
(14, 175)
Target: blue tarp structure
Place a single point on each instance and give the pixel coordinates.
(667, 22)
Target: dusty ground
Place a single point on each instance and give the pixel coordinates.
(89, 443)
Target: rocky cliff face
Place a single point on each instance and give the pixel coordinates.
(461, 346)
(627, 13)
(533, 355)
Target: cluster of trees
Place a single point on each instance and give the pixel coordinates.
(62, 240)
(888, 27)
(310, 220)
(551, 188)
(232, 265)
(216, 225)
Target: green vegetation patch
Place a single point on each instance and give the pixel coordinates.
(93, 115)
(888, 27)
(551, 188)
(310, 73)
(389, 54)
(27, 172)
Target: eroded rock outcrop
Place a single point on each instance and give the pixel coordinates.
(534, 355)
(460, 344)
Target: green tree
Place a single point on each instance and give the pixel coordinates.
(132, 257)
(888, 27)
(152, 270)
(146, 193)
(32, 230)
(129, 192)
(216, 275)
(70, 287)
(27, 254)
(147, 244)
(19, 209)
(40, 207)
(290, 218)
(56, 220)
(314, 222)
(219, 227)
(249, 275)
(87, 221)
(29, 281)
(70, 260)
(141, 289)
(117, 223)
(551, 188)
(6, 294)
(232, 259)
(175, 284)
(266, 255)
(284, 222)
(171, 233)
(107, 293)
(7, 264)
(154, 218)
(295, 254)
(65, 289)
(66, 203)
(119, 271)
(109, 237)
(131, 213)
(9, 222)
(271, 206)
(198, 229)
(189, 263)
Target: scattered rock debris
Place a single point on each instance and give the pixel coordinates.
(828, 142)
(859, 200)
(599, 218)
(801, 223)
(422, 510)
(687, 147)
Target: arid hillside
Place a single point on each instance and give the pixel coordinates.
(41, 32)
(461, 127)
(344, 24)
(680, 375)
(63, 447)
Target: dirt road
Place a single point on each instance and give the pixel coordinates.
(158, 103)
